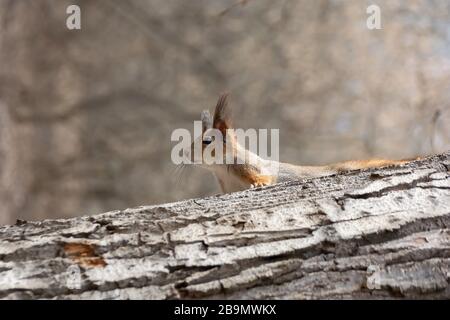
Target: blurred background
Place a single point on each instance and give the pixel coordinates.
(86, 115)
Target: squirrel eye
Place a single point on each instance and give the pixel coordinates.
(207, 140)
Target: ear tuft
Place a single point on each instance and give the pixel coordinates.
(206, 120)
(222, 114)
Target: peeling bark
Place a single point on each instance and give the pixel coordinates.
(380, 233)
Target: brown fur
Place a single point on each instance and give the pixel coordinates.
(234, 177)
(252, 175)
(364, 164)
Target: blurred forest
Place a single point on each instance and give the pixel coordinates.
(86, 115)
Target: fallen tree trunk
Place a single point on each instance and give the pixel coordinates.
(381, 233)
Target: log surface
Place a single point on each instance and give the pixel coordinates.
(380, 233)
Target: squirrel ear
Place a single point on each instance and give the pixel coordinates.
(206, 120)
(222, 114)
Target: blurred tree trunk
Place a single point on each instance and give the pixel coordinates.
(38, 86)
(381, 233)
(47, 99)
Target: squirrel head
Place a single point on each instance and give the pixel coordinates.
(217, 139)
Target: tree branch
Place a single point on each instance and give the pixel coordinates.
(381, 233)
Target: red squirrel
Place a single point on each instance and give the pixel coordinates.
(248, 170)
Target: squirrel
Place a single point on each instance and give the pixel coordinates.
(248, 170)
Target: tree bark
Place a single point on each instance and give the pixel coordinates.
(380, 233)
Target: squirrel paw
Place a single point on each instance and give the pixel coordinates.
(258, 185)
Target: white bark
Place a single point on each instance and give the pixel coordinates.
(381, 233)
